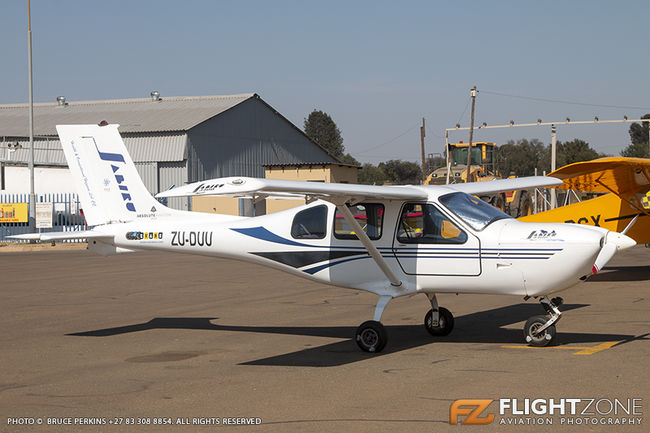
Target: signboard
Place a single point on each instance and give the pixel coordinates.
(13, 213)
(44, 215)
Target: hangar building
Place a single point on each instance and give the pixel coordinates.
(171, 140)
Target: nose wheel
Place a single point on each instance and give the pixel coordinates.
(539, 331)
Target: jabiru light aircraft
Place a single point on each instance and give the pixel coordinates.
(392, 241)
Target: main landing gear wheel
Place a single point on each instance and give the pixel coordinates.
(445, 322)
(371, 336)
(532, 334)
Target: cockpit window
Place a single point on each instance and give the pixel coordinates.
(422, 223)
(310, 223)
(370, 217)
(475, 212)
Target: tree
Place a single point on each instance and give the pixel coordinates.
(401, 172)
(639, 136)
(349, 159)
(575, 150)
(524, 156)
(371, 175)
(320, 127)
(521, 158)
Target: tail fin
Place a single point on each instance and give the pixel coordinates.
(109, 187)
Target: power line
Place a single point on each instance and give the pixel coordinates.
(389, 141)
(464, 110)
(559, 101)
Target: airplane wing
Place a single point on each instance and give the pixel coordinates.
(619, 175)
(261, 188)
(500, 185)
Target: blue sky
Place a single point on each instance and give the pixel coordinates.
(376, 67)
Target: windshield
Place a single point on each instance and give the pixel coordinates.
(459, 155)
(475, 212)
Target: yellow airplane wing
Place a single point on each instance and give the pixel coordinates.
(628, 182)
(618, 175)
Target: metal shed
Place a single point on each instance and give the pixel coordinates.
(171, 140)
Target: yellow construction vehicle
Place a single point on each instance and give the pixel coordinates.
(482, 168)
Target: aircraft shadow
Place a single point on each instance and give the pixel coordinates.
(480, 327)
(622, 273)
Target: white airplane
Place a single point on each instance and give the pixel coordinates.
(389, 240)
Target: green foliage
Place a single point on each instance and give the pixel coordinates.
(371, 175)
(349, 159)
(636, 150)
(401, 172)
(639, 137)
(575, 150)
(521, 158)
(320, 127)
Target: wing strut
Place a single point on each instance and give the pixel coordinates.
(365, 240)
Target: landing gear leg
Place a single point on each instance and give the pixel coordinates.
(438, 321)
(539, 331)
(371, 335)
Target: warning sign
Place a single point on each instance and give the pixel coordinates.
(44, 215)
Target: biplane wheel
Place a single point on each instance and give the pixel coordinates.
(371, 336)
(445, 322)
(541, 339)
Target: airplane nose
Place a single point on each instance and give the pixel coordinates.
(622, 241)
(614, 242)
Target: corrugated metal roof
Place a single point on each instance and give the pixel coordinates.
(133, 115)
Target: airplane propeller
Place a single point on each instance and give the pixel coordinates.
(613, 242)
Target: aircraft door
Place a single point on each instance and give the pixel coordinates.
(429, 242)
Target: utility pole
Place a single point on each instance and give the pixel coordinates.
(471, 133)
(32, 196)
(553, 163)
(424, 162)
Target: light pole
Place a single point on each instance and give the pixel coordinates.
(553, 163)
(32, 196)
(472, 93)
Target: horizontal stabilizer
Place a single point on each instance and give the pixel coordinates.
(62, 236)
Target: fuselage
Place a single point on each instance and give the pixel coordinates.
(505, 256)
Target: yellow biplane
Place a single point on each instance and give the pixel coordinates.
(626, 204)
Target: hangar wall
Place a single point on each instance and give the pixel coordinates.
(241, 140)
(47, 180)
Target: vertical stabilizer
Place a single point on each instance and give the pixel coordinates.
(109, 187)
